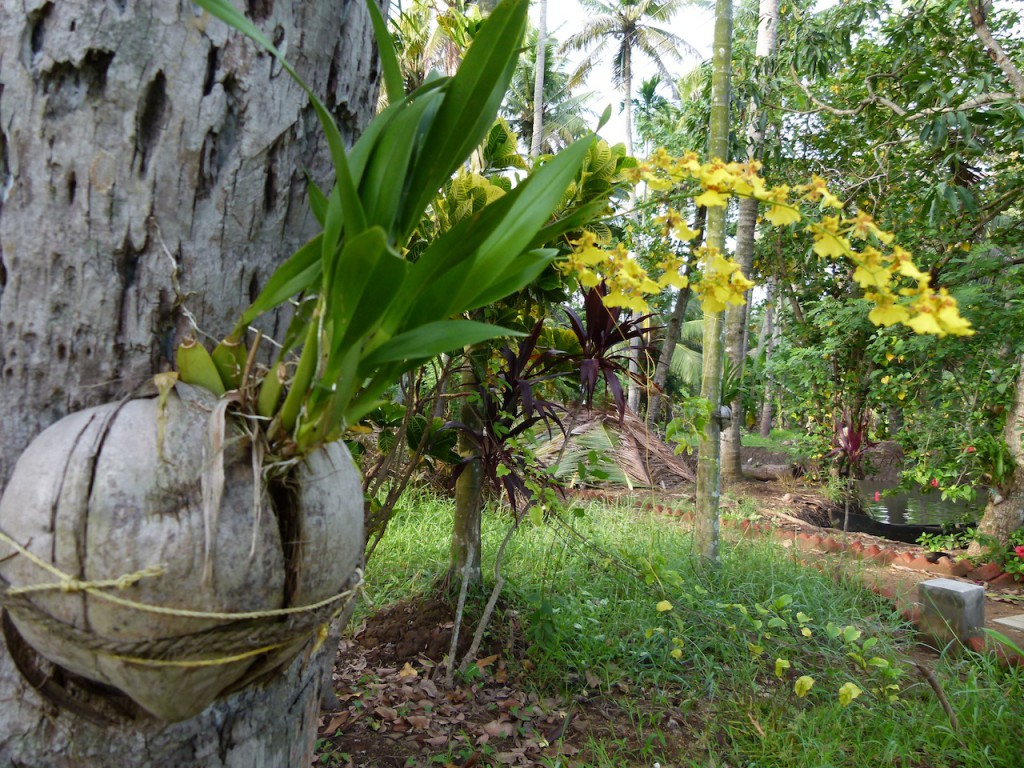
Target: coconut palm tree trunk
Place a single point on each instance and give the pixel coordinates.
(538, 81)
(673, 331)
(706, 525)
(150, 166)
(770, 335)
(1004, 513)
(746, 226)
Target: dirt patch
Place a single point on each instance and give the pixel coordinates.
(393, 709)
(406, 631)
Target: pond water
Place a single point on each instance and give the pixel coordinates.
(917, 507)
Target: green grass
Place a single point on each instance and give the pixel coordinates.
(782, 440)
(586, 587)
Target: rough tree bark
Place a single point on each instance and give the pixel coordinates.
(151, 163)
(1004, 513)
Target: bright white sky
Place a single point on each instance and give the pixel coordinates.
(694, 25)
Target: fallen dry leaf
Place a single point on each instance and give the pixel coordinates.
(592, 680)
(336, 722)
(487, 661)
(385, 713)
(408, 673)
(510, 758)
(420, 722)
(500, 729)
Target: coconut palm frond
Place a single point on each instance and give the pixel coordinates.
(614, 452)
(691, 333)
(686, 364)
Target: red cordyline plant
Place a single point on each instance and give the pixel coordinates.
(509, 406)
(850, 444)
(602, 336)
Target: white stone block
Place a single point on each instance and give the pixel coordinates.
(951, 610)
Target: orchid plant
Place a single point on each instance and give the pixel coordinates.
(366, 313)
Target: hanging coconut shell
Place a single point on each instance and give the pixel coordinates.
(161, 503)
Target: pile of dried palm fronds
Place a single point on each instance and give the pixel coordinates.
(604, 450)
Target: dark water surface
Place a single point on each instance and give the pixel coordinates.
(917, 507)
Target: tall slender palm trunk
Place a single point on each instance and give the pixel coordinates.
(746, 226)
(706, 528)
(538, 81)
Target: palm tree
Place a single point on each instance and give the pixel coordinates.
(709, 478)
(564, 115)
(626, 27)
(541, 55)
(428, 37)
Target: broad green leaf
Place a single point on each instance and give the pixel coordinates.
(851, 634)
(803, 685)
(781, 665)
(521, 273)
(495, 237)
(388, 58)
(356, 264)
(317, 200)
(847, 693)
(472, 98)
(364, 147)
(575, 219)
(384, 183)
(432, 339)
(535, 199)
(333, 225)
(300, 273)
(378, 296)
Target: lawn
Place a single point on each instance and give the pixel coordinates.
(613, 645)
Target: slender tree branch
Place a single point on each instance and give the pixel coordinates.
(979, 17)
(975, 102)
(937, 687)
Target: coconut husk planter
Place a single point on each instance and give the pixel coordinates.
(147, 545)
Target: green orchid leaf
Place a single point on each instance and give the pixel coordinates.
(296, 331)
(355, 264)
(520, 273)
(471, 102)
(301, 272)
(393, 82)
(574, 220)
(381, 290)
(432, 339)
(333, 226)
(317, 200)
(385, 181)
(535, 200)
(364, 148)
(442, 281)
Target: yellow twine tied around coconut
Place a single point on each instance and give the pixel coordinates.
(69, 584)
